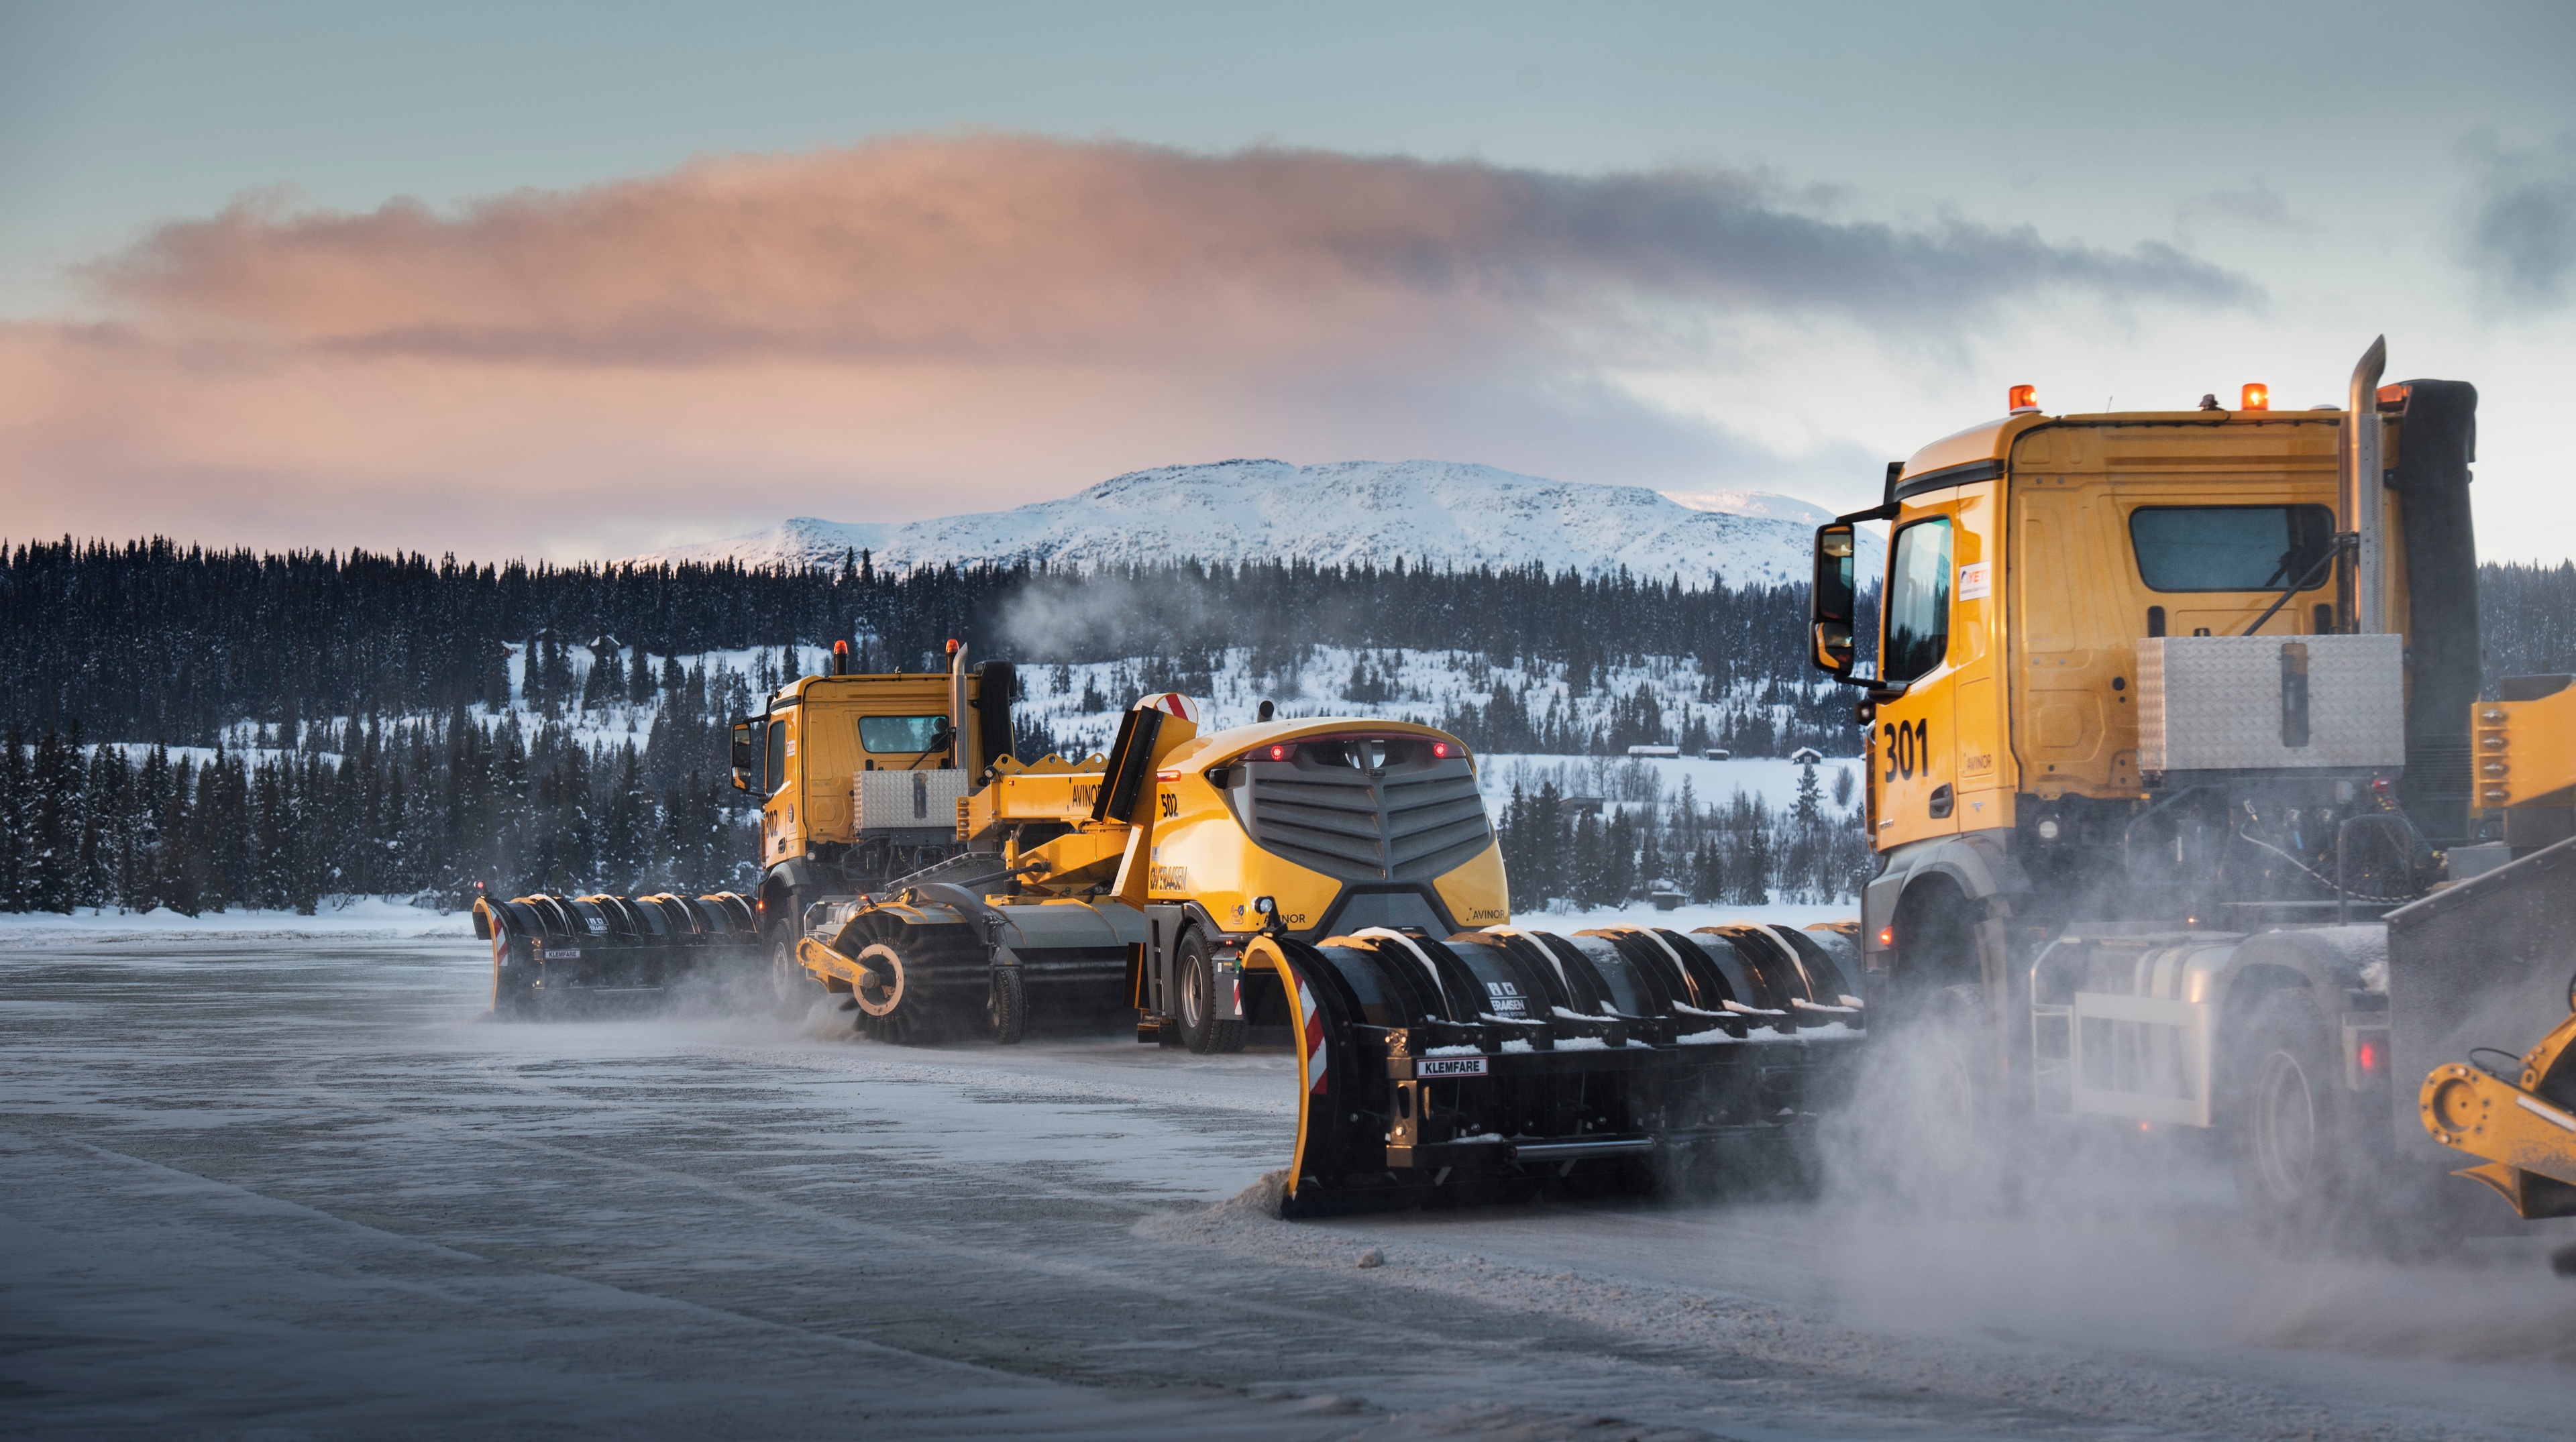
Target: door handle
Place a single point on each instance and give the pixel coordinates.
(1942, 801)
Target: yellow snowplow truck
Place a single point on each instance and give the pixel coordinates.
(1338, 880)
(857, 777)
(2184, 809)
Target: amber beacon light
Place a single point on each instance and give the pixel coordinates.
(2023, 398)
(2258, 397)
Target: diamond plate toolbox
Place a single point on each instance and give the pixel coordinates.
(906, 800)
(2271, 703)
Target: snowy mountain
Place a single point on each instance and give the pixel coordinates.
(1425, 512)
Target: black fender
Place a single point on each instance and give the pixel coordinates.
(1980, 863)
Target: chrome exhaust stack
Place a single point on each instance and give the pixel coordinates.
(957, 704)
(2365, 594)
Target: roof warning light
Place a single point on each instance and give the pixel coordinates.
(2258, 397)
(2023, 398)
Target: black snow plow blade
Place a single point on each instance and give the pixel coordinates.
(548, 950)
(1503, 1064)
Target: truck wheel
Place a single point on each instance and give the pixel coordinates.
(2286, 1116)
(787, 978)
(1008, 1007)
(1201, 1031)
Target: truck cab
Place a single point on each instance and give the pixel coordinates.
(2164, 707)
(859, 776)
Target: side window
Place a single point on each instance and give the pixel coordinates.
(1918, 600)
(2230, 548)
(900, 735)
(776, 775)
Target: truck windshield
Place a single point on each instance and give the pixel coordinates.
(1918, 600)
(2228, 548)
(902, 734)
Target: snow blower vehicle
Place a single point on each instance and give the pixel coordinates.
(2187, 815)
(858, 778)
(1337, 881)
(1334, 883)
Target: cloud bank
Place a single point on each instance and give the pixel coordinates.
(2522, 231)
(927, 324)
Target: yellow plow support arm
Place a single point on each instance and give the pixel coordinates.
(2528, 1140)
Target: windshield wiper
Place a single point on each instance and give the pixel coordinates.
(2343, 542)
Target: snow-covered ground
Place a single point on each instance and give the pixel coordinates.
(378, 918)
(308, 1189)
(338, 918)
(1435, 513)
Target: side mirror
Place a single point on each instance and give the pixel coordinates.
(1831, 602)
(742, 756)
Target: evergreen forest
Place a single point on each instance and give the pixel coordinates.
(204, 729)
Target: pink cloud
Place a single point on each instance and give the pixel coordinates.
(917, 326)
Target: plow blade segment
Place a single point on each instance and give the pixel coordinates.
(1506, 1063)
(548, 949)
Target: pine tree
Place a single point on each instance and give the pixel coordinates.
(102, 812)
(1618, 863)
(180, 871)
(1753, 877)
(1708, 873)
(17, 789)
(53, 839)
(1650, 852)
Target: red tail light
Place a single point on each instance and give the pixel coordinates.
(2367, 1055)
(1278, 753)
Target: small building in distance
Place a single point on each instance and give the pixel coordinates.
(1654, 751)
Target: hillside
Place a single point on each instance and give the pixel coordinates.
(1434, 513)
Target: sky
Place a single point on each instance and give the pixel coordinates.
(576, 282)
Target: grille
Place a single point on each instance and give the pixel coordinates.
(1409, 822)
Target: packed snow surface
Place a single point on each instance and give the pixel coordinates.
(344, 918)
(1435, 513)
(309, 1189)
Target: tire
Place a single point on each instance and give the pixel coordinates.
(2285, 1117)
(1008, 1007)
(787, 978)
(1957, 1056)
(514, 991)
(1201, 1031)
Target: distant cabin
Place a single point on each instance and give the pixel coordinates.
(1805, 756)
(1654, 751)
(1718, 753)
(1579, 805)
